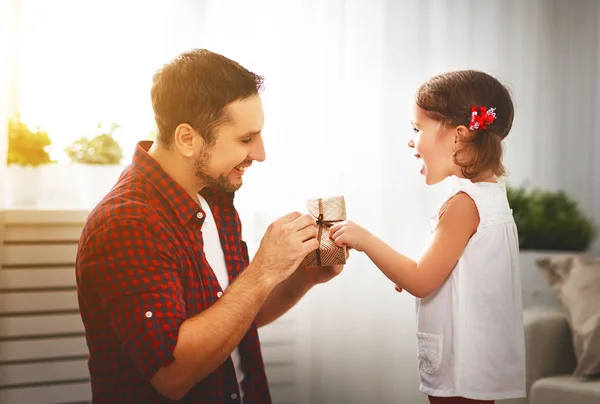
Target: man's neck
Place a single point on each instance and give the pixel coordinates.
(176, 167)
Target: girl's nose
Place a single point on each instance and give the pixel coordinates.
(411, 143)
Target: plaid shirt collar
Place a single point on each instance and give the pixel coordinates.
(178, 199)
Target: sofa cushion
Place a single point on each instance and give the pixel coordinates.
(565, 390)
(576, 282)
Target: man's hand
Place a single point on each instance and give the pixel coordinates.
(317, 275)
(287, 293)
(312, 276)
(284, 245)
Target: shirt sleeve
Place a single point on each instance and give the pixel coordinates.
(134, 271)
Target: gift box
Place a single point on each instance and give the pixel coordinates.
(327, 212)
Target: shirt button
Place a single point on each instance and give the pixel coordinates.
(219, 294)
(199, 215)
(233, 396)
(148, 314)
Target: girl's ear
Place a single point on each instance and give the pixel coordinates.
(462, 133)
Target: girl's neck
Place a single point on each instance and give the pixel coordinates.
(484, 177)
(489, 178)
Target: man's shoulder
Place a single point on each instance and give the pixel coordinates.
(120, 210)
(123, 227)
(131, 202)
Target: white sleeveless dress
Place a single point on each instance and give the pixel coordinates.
(470, 331)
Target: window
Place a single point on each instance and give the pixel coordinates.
(84, 63)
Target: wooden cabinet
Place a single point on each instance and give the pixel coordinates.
(43, 353)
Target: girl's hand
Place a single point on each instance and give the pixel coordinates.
(349, 234)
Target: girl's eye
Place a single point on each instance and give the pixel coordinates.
(415, 130)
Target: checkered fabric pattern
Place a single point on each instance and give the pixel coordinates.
(141, 272)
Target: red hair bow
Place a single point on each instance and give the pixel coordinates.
(480, 120)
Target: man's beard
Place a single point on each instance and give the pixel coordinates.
(200, 167)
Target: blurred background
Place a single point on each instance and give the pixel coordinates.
(340, 74)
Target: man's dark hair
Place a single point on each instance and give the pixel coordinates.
(195, 88)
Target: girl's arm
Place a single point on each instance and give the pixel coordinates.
(457, 224)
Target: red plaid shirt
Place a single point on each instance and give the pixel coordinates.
(141, 273)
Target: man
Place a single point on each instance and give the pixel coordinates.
(168, 297)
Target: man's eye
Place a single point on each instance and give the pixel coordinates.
(247, 140)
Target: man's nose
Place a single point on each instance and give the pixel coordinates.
(411, 143)
(257, 153)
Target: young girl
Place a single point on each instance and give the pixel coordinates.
(467, 283)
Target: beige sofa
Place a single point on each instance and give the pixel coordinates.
(551, 361)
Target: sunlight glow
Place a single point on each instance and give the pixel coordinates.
(84, 63)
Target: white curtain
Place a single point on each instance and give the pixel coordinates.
(323, 63)
(339, 78)
(9, 39)
(340, 75)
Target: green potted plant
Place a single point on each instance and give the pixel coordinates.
(548, 223)
(28, 151)
(98, 157)
(99, 149)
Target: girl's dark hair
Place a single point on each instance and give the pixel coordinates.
(449, 98)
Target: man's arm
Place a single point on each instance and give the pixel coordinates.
(283, 297)
(206, 340)
(289, 292)
(130, 264)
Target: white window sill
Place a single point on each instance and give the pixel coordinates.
(36, 215)
(61, 189)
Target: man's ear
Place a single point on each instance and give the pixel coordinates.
(187, 140)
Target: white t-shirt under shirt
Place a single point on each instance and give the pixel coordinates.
(470, 331)
(216, 259)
